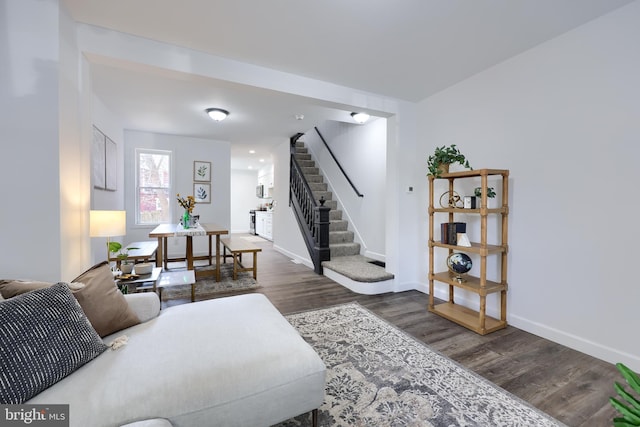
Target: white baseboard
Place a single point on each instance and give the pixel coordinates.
(575, 342)
(375, 255)
(572, 341)
(306, 261)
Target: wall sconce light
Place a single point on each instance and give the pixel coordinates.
(217, 114)
(360, 117)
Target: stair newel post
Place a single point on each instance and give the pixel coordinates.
(321, 232)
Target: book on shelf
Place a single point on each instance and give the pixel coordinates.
(449, 232)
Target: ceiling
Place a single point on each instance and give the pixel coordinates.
(405, 49)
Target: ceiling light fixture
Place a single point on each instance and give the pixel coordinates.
(217, 114)
(360, 117)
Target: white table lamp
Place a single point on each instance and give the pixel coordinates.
(107, 224)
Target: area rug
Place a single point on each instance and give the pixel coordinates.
(208, 287)
(377, 375)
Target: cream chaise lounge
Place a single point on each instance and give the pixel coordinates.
(225, 362)
(232, 361)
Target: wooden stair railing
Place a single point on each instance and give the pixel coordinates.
(333, 156)
(312, 217)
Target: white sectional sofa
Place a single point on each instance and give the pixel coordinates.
(232, 361)
(225, 362)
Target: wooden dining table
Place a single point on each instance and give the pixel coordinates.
(163, 231)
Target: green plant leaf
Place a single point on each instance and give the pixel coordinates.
(621, 422)
(631, 377)
(445, 155)
(628, 397)
(114, 246)
(628, 415)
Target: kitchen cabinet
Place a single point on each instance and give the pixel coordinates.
(264, 221)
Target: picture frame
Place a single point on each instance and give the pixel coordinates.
(202, 192)
(111, 165)
(98, 161)
(201, 171)
(104, 161)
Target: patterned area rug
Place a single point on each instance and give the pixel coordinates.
(209, 288)
(377, 375)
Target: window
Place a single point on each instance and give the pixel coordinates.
(153, 191)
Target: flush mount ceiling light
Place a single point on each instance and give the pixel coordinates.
(217, 114)
(360, 117)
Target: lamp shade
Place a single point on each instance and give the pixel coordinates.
(107, 223)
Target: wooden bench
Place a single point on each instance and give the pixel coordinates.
(146, 251)
(237, 246)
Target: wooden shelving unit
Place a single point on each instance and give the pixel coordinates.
(477, 321)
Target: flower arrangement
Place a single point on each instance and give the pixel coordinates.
(187, 204)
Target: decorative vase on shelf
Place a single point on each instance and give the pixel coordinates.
(186, 219)
(126, 268)
(443, 168)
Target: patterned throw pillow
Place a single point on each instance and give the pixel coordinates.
(44, 336)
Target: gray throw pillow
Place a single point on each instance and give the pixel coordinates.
(44, 336)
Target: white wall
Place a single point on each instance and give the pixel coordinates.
(112, 126)
(287, 238)
(185, 151)
(29, 164)
(361, 151)
(73, 242)
(564, 118)
(243, 198)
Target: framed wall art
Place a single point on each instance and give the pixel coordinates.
(111, 165)
(98, 159)
(202, 192)
(201, 171)
(104, 161)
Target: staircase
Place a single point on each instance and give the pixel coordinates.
(345, 253)
(340, 238)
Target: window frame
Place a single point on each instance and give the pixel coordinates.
(138, 152)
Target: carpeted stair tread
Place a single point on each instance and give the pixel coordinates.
(357, 268)
(343, 249)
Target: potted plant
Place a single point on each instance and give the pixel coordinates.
(629, 405)
(122, 253)
(490, 192)
(438, 163)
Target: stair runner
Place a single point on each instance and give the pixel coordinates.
(345, 253)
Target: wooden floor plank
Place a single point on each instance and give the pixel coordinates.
(568, 385)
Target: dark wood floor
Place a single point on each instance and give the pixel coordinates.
(568, 385)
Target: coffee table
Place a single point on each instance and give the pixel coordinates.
(175, 278)
(144, 282)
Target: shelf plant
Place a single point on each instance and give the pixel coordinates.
(629, 407)
(438, 163)
(121, 252)
(490, 192)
